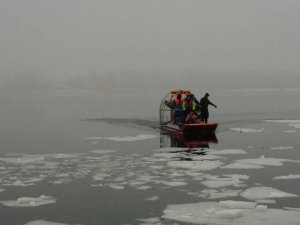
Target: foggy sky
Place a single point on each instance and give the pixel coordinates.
(131, 40)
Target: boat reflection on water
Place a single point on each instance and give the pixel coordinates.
(168, 140)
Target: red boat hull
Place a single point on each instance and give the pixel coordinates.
(191, 130)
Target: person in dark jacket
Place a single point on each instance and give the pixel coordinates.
(204, 102)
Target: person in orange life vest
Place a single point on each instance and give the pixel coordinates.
(191, 117)
(178, 114)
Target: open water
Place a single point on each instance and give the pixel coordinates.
(83, 157)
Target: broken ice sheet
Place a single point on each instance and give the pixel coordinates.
(256, 193)
(125, 139)
(102, 151)
(290, 176)
(217, 194)
(282, 148)
(228, 151)
(43, 222)
(196, 165)
(29, 201)
(241, 166)
(230, 180)
(229, 213)
(153, 198)
(247, 130)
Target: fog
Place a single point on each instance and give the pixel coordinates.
(139, 44)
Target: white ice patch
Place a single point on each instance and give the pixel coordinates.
(29, 201)
(214, 194)
(241, 166)
(264, 161)
(125, 139)
(153, 220)
(283, 121)
(282, 148)
(230, 213)
(256, 193)
(102, 151)
(230, 180)
(295, 125)
(266, 201)
(247, 130)
(228, 151)
(25, 159)
(1, 190)
(290, 176)
(173, 183)
(196, 165)
(153, 198)
(290, 131)
(43, 222)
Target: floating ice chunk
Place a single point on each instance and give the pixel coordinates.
(196, 165)
(206, 157)
(102, 151)
(266, 201)
(29, 201)
(23, 160)
(295, 125)
(230, 180)
(242, 166)
(255, 193)
(231, 213)
(290, 208)
(282, 148)
(153, 220)
(215, 194)
(1, 190)
(65, 155)
(264, 161)
(125, 139)
(117, 187)
(153, 198)
(228, 151)
(283, 121)
(173, 183)
(247, 130)
(290, 176)
(43, 222)
(290, 131)
(143, 188)
(237, 204)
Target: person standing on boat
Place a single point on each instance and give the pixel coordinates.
(204, 102)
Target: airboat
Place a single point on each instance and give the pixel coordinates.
(169, 124)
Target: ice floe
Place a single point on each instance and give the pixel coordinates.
(153, 198)
(228, 151)
(283, 121)
(229, 213)
(125, 139)
(247, 130)
(102, 151)
(264, 161)
(290, 176)
(282, 148)
(43, 222)
(235, 180)
(196, 165)
(241, 166)
(152, 220)
(29, 201)
(256, 193)
(290, 131)
(217, 194)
